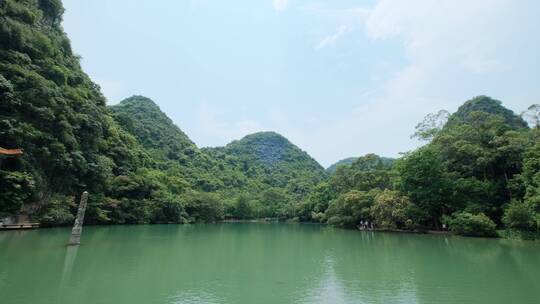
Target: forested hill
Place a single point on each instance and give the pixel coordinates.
(255, 163)
(143, 118)
(485, 106)
(266, 167)
(272, 160)
(169, 147)
(272, 150)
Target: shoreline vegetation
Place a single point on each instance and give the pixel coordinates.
(509, 234)
(477, 174)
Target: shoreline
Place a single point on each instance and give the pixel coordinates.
(501, 234)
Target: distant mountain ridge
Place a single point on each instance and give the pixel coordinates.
(388, 161)
(270, 149)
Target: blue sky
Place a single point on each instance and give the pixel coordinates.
(338, 78)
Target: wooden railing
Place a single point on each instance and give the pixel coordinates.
(19, 226)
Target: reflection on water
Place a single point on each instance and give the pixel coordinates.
(362, 287)
(194, 297)
(71, 255)
(327, 289)
(263, 263)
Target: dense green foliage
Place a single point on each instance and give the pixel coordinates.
(51, 109)
(270, 160)
(350, 160)
(468, 224)
(478, 172)
(344, 162)
(172, 151)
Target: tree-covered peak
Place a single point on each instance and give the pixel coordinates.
(140, 107)
(143, 118)
(270, 162)
(138, 100)
(262, 138)
(270, 148)
(486, 105)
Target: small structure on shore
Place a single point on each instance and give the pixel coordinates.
(76, 232)
(11, 152)
(17, 222)
(5, 153)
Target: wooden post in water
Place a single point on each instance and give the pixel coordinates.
(75, 238)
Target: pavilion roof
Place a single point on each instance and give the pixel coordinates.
(12, 152)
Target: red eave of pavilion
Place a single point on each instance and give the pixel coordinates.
(11, 152)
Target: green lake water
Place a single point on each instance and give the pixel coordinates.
(262, 263)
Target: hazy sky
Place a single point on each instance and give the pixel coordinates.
(338, 78)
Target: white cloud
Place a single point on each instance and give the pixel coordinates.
(280, 5)
(466, 33)
(341, 31)
(446, 43)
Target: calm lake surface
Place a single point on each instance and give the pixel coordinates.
(262, 263)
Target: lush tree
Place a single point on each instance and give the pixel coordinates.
(270, 201)
(15, 189)
(366, 173)
(204, 207)
(390, 209)
(350, 208)
(243, 207)
(519, 215)
(469, 224)
(482, 145)
(423, 179)
(313, 207)
(59, 212)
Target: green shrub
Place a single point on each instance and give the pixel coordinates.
(515, 234)
(204, 207)
(167, 208)
(58, 211)
(350, 208)
(53, 9)
(469, 224)
(519, 215)
(15, 188)
(243, 207)
(390, 210)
